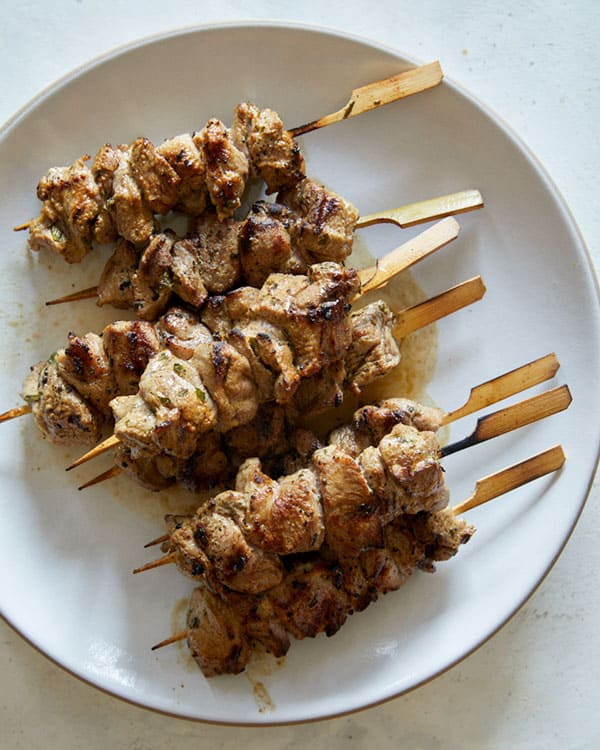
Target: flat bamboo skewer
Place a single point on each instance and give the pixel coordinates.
(426, 210)
(378, 93)
(18, 411)
(514, 476)
(486, 489)
(364, 99)
(404, 216)
(407, 254)
(509, 384)
(513, 417)
(433, 309)
(488, 427)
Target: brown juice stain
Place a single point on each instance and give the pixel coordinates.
(261, 695)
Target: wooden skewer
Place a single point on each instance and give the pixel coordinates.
(172, 639)
(377, 94)
(97, 450)
(513, 382)
(406, 255)
(435, 308)
(486, 489)
(88, 293)
(514, 476)
(18, 411)
(427, 210)
(166, 560)
(404, 216)
(158, 540)
(108, 474)
(513, 417)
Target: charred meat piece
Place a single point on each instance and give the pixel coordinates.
(116, 287)
(213, 545)
(158, 181)
(226, 167)
(129, 346)
(63, 416)
(326, 228)
(170, 410)
(85, 366)
(184, 157)
(71, 204)
(273, 152)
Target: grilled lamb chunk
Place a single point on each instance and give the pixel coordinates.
(273, 152)
(165, 268)
(213, 544)
(404, 470)
(63, 416)
(227, 377)
(326, 229)
(103, 168)
(352, 513)
(115, 287)
(184, 157)
(226, 167)
(181, 331)
(133, 216)
(168, 413)
(158, 181)
(265, 244)
(217, 633)
(371, 423)
(374, 351)
(214, 245)
(129, 346)
(71, 203)
(85, 365)
(286, 515)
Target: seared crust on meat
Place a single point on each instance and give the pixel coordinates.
(63, 416)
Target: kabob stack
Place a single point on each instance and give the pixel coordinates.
(244, 328)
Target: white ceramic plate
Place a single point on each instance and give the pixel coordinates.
(66, 582)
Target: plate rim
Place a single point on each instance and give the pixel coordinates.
(121, 50)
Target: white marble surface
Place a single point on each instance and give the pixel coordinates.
(537, 682)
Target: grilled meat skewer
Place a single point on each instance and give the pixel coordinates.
(317, 594)
(127, 185)
(385, 463)
(217, 256)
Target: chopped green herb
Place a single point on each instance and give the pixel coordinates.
(179, 368)
(200, 395)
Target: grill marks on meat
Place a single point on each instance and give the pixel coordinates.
(217, 256)
(338, 502)
(328, 221)
(315, 596)
(292, 327)
(227, 168)
(63, 416)
(72, 201)
(71, 392)
(129, 184)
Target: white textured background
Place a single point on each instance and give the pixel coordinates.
(536, 684)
